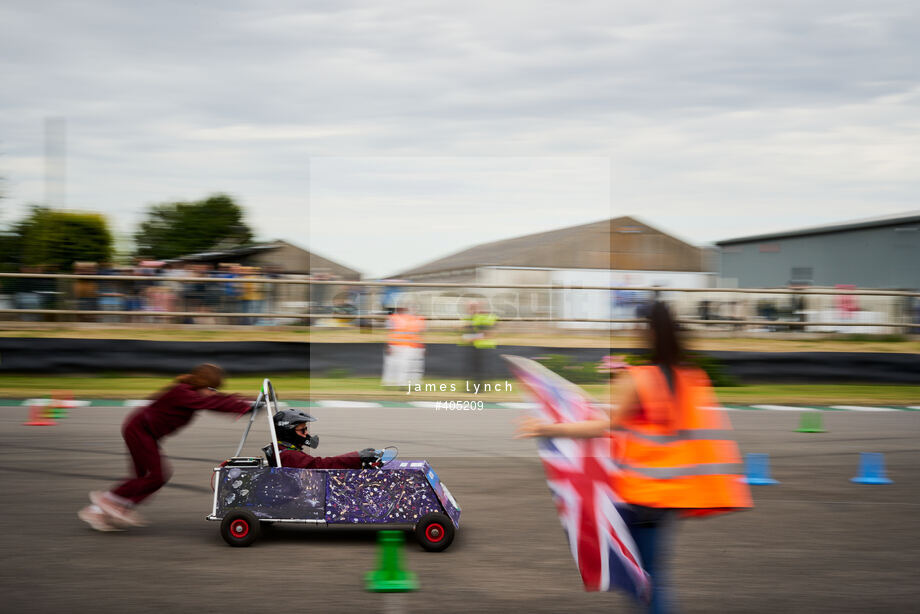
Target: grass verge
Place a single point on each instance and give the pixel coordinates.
(300, 387)
(821, 394)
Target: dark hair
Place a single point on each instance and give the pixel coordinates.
(665, 346)
(205, 375)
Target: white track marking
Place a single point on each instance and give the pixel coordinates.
(782, 408)
(348, 404)
(519, 405)
(68, 404)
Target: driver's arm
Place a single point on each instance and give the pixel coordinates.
(302, 460)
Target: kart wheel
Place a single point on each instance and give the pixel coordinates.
(239, 528)
(434, 532)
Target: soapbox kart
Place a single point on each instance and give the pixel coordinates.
(250, 492)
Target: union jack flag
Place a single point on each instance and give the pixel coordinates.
(577, 473)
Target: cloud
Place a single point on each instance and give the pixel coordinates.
(709, 119)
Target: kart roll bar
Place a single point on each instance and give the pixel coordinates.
(270, 401)
(252, 416)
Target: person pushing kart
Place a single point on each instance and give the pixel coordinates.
(171, 410)
(292, 427)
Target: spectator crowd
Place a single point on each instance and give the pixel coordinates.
(243, 293)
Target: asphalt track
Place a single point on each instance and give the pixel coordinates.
(814, 543)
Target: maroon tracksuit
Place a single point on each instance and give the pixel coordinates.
(167, 413)
(296, 458)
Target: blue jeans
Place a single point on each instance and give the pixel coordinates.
(653, 531)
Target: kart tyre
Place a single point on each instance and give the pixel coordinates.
(434, 532)
(239, 529)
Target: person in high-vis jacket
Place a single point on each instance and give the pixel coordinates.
(404, 362)
(477, 335)
(671, 446)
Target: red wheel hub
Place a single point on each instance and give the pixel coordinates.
(239, 528)
(434, 533)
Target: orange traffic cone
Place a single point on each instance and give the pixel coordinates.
(38, 416)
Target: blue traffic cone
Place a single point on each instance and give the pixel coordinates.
(757, 469)
(871, 469)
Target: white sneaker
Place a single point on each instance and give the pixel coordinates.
(119, 513)
(96, 518)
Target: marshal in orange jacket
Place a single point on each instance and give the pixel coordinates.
(676, 451)
(406, 329)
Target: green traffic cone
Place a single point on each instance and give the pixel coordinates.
(810, 423)
(391, 577)
(57, 407)
(57, 412)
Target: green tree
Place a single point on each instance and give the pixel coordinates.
(171, 230)
(57, 239)
(10, 251)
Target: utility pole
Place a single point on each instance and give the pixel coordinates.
(55, 162)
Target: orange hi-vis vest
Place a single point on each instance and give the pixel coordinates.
(405, 329)
(676, 451)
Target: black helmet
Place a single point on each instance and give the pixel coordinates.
(287, 420)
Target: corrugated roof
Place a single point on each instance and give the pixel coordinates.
(582, 246)
(236, 251)
(315, 261)
(912, 217)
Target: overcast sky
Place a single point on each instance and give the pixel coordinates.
(386, 134)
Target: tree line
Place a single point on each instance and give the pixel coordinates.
(55, 239)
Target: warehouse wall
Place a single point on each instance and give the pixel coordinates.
(883, 258)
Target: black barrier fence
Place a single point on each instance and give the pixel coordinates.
(441, 360)
(96, 356)
(821, 367)
(136, 356)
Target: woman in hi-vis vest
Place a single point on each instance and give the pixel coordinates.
(671, 445)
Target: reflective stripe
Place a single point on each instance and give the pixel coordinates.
(667, 473)
(681, 435)
(414, 342)
(405, 330)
